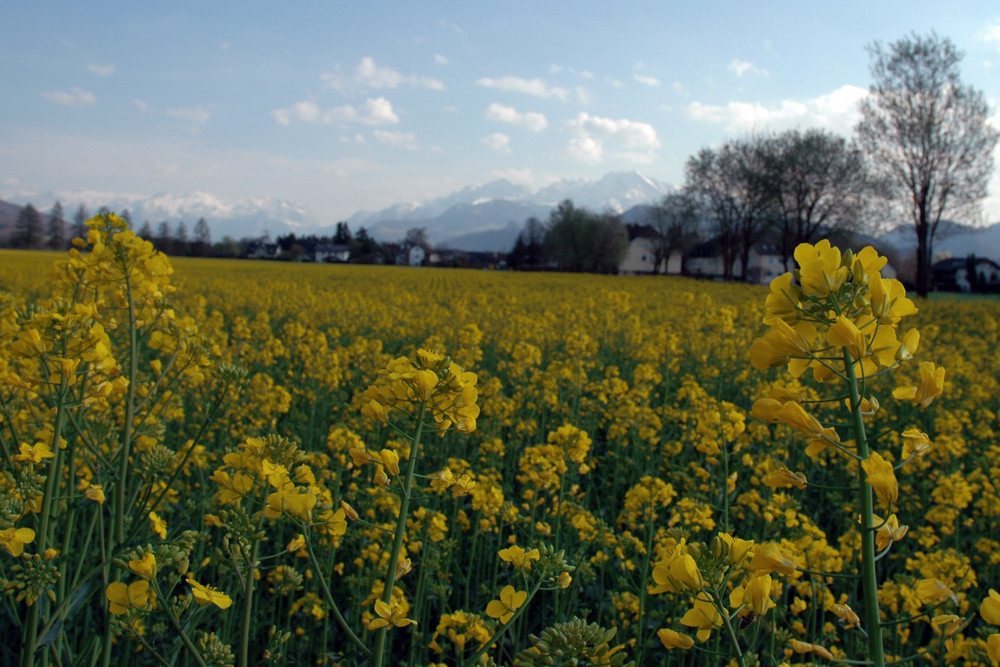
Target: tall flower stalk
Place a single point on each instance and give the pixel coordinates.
(837, 317)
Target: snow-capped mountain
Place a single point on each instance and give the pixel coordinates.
(477, 216)
(226, 217)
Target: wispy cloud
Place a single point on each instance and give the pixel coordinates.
(741, 67)
(369, 76)
(650, 81)
(991, 34)
(101, 70)
(199, 114)
(532, 120)
(497, 141)
(836, 111)
(582, 73)
(644, 79)
(440, 59)
(536, 87)
(376, 111)
(75, 97)
(398, 139)
(637, 140)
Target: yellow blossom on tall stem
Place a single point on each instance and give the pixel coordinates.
(672, 639)
(510, 601)
(852, 314)
(389, 615)
(14, 539)
(121, 598)
(205, 595)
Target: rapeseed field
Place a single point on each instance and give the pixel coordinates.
(217, 462)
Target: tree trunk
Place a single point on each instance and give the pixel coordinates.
(924, 273)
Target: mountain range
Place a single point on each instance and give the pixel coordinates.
(484, 217)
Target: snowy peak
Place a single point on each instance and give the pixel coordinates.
(494, 205)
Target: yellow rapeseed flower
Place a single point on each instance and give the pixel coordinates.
(931, 386)
(144, 567)
(703, 616)
(518, 557)
(672, 639)
(881, 478)
(989, 609)
(121, 598)
(510, 601)
(15, 539)
(205, 595)
(389, 615)
(158, 525)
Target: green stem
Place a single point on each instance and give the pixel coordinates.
(876, 650)
(248, 601)
(119, 517)
(730, 632)
(508, 625)
(341, 621)
(397, 543)
(177, 625)
(30, 633)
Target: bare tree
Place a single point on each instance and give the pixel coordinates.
(730, 187)
(675, 220)
(817, 181)
(927, 137)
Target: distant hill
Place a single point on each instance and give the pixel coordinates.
(951, 240)
(476, 217)
(8, 218)
(479, 218)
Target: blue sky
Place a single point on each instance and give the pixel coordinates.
(344, 106)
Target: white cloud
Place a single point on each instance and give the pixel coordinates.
(140, 105)
(101, 70)
(991, 34)
(741, 67)
(531, 120)
(638, 139)
(199, 114)
(586, 149)
(440, 60)
(645, 80)
(680, 89)
(168, 169)
(497, 141)
(399, 139)
(535, 87)
(376, 111)
(583, 73)
(72, 98)
(650, 81)
(836, 111)
(367, 76)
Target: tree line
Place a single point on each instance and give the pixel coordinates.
(922, 152)
(35, 231)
